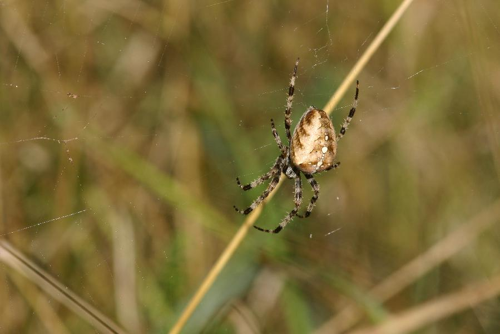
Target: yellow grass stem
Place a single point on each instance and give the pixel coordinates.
(241, 233)
(219, 265)
(21, 264)
(360, 64)
(437, 309)
(443, 250)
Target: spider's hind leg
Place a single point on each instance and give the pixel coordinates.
(289, 102)
(348, 120)
(277, 138)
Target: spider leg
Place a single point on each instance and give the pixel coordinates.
(275, 169)
(274, 182)
(277, 138)
(291, 214)
(334, 166)
(348, 120)
(315, 187)
(289, 102)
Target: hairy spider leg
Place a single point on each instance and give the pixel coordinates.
(289, 102)
(277, 138)
(291, 214)
(269, 189)
(276, 168)
(334, 166)
(284, 165)
(314, 198)
(348, 120)
(315, 187)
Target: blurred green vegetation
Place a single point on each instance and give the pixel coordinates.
(144, 113)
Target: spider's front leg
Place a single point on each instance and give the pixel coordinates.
(291, 214)
(315, 187)
(274, 182)
(275, 169)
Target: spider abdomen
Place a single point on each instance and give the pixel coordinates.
(314, 144)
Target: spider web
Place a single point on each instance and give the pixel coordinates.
(100, 99)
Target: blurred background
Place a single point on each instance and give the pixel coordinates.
(124, 123)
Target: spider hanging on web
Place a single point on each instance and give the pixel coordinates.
(310, 150)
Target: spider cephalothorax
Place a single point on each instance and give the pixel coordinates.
(311, 149)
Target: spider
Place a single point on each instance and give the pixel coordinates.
(311, 150)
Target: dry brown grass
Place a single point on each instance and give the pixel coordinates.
(138, 115)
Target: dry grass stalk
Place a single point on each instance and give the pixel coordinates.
(240, 235)
(437, 309)
(402, 278)
(217, 268)
(42, 306)
(10, 256)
